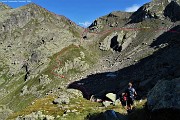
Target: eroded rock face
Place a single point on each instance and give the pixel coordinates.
(164, 95)
(117, 41)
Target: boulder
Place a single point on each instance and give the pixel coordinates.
(24, 90)
(74, 92)
(111, 96)
(107, 103)
(44, 79)
(107, 115)
(61, 100)
(164, 95)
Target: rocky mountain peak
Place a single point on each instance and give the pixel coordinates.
(4, 6)
(172, 11)
(113, 19)
(164, 1)
(158, 9)
(32, 6)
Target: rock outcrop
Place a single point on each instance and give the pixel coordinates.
(107, 115)
(172, 11)
(117, 41)
(4, 7)
(114, 19)
(158, 10)
(164, 95)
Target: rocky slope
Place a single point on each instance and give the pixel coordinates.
(48, 63)
(4, 7)
(164, 9)
(168, 91)
(140, 49)
(30, 34)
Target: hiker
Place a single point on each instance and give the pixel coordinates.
(130, 93)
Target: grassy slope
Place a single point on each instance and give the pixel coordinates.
(83, 107)
(21, 103)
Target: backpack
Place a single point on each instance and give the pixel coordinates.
(124, 97)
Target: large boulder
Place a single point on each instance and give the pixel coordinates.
(164, 95)
(107, 115)
(111, 96)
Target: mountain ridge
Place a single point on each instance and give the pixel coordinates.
(49, 63)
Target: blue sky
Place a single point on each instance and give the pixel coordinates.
(82, 12)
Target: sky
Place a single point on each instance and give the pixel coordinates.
(82, 12)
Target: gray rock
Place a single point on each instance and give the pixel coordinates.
(111, 96)
(117, 102)
(5, 112)
(82, 54)
(44, 80)
(36, 116)
(75, 92)
(107, 103)
(61, 100)
(165, 94)
(92, 98)
(157, 9)
(109, 115)
(24, 90)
